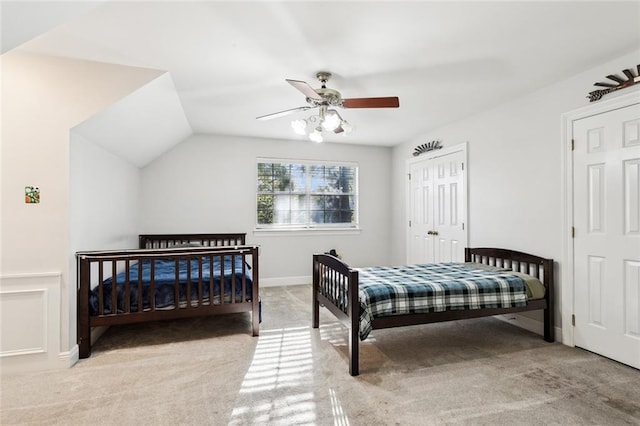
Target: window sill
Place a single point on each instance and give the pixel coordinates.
(300, 232)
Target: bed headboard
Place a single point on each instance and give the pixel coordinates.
(538, 267)
(150, 241)
(535, 266)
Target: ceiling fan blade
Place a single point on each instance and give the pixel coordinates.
(389, 102)
(282, 113)
(306, 90)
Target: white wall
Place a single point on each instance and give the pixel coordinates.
(208, 184)
(104, 199)
(515, 168)
(42, 98)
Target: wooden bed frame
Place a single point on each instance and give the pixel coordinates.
(204, 247)
(328, 269)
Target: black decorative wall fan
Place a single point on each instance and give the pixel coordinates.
(618, 83)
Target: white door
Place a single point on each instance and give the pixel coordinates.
(606, 175)
(421, 223)
(437, 208)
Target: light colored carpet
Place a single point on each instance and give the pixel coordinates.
(210, 371)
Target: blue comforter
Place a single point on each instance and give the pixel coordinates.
(164, 283)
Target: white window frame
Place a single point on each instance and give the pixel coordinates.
(309, 227)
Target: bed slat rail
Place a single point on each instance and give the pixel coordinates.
(535, 266)
(332, 281)
(151, 241)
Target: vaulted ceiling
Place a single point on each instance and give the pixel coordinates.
(229, 60)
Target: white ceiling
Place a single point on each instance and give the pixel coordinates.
(445, 60)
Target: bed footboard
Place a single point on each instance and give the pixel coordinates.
(128, 286)
(335, 286)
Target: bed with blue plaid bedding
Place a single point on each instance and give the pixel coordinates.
(410, 289)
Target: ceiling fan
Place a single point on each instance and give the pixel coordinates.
(323, 99)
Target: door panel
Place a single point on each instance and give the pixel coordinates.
(632, 298)
(421, 215)
(449, 205)
(606, 164)
(631, 197)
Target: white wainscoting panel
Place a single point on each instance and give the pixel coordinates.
(30, 322)
(23, 310)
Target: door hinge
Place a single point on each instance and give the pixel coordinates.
(573, 320)
(409, 176)
(573, 232)
(409, 224)
(573, 144)
(462, 166)
(463, 226)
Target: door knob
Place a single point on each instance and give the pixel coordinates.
(432, 233)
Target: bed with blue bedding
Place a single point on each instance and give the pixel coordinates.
(490, 282)
(169, 276)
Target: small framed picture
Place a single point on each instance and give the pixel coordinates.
(31, 194)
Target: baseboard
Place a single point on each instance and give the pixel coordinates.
(68, 359)
(39, 362)
(283, 281)
(529, 324)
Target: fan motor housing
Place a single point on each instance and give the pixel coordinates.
(330, 97)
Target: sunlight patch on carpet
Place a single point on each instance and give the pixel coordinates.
(279, 385)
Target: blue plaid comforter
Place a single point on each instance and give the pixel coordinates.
(434, 288)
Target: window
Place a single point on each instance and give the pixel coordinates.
(294, 194)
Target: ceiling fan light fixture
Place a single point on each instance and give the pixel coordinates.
(299, 126)
(346, 127)
(331, 121)
(316, 135)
